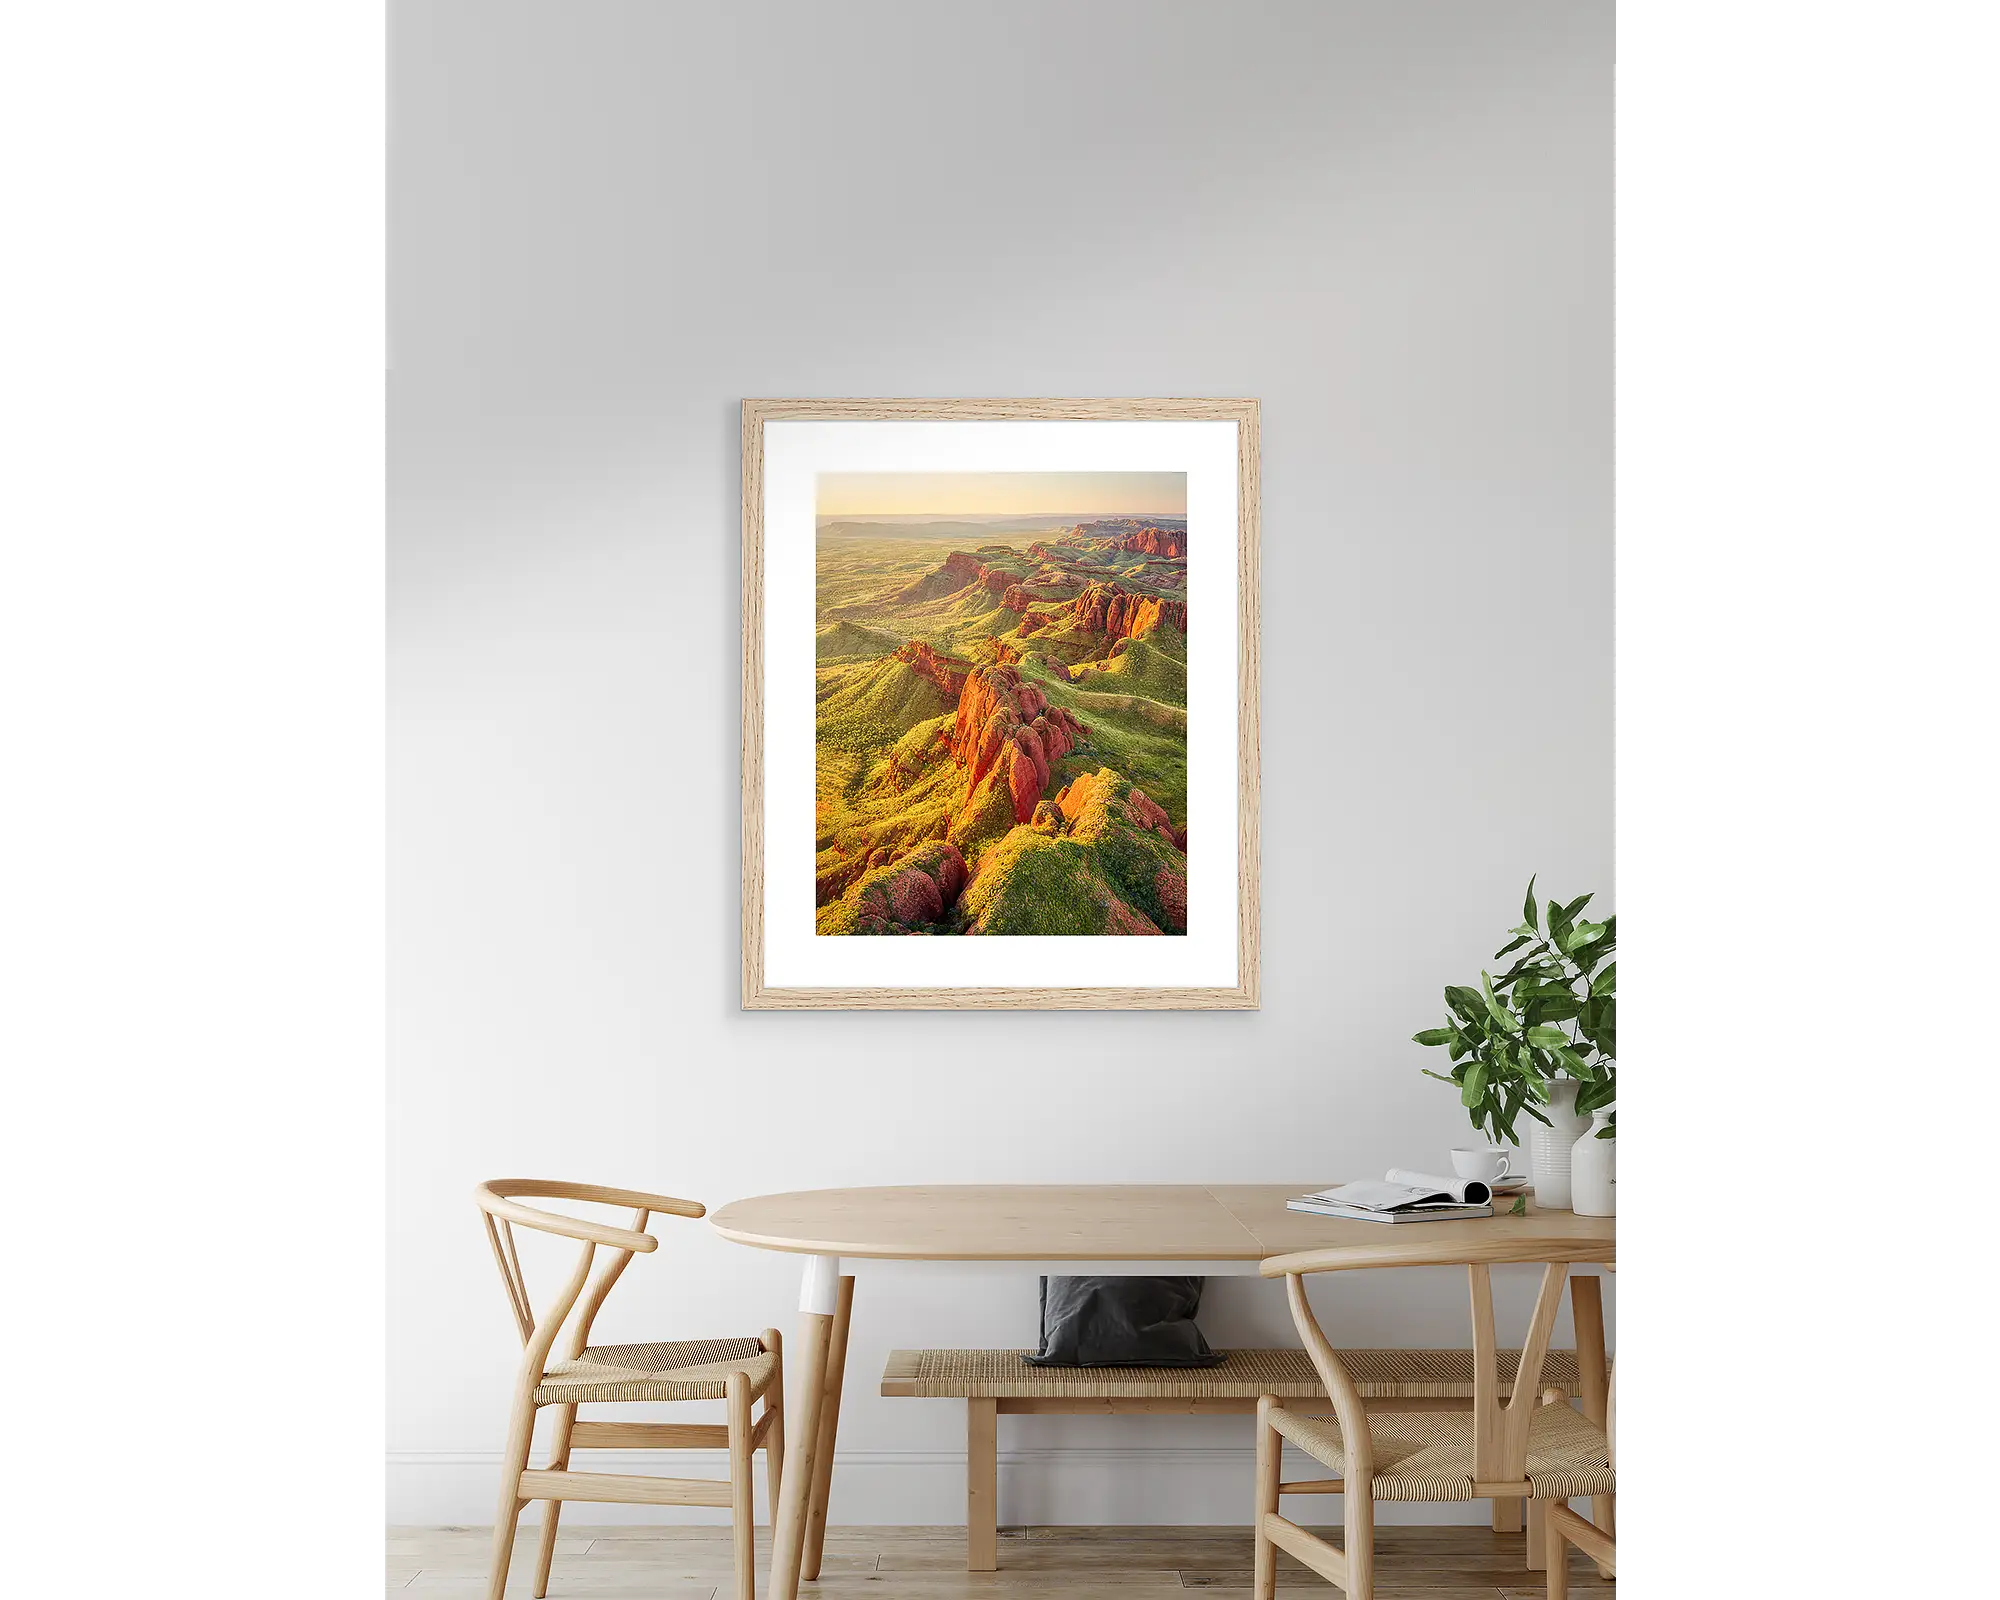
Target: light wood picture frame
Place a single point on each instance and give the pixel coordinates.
(786, 501)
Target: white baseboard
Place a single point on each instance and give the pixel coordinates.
(918, 1488)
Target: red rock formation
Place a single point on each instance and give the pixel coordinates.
(959, 569)
(1106, 608)
(1016, 598)
(1169, 543)
(948, 675)
(1006, 728)
(1171, 887)
(1147, 814)
(915, 897)
(929, 880)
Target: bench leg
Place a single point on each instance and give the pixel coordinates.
(982, 1486)
(1506, 1516)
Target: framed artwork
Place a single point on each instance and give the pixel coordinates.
(1000, 703)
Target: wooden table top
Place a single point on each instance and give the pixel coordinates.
(1122, 1222)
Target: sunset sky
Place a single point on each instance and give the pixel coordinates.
(1001, 494)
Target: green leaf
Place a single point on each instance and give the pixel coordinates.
(1441, 1078)
(1582, 934)
(1576, 905)
(1466, 1002)
(1546, 1037)
(1500, 1013)
(1475, 1085)
(1520, 1206)
(1606, 982)
(1458, 1045)
(1518, 940)
(1557, 1010)
(1529, 914)
(1431, 1036)
(1593, 1095)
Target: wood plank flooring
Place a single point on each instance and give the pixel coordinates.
(1143, 1563)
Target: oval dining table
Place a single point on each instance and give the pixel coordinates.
(1210, 1230)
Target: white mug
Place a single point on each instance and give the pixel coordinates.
(1487, 1163)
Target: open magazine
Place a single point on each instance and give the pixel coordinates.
(1400, 1197)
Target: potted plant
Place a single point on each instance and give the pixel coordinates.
(1540, 1037)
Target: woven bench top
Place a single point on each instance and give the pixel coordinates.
(1242, 1375)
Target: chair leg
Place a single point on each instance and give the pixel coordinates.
(1359, 1528)
(1604, 1512)
(774, 1408)
(742, 1501)
(552, 1509)
(520, 1435)
(982, 1486)
(1586, 1302)
(1556, 1557)
(1537, 1541)
(1506, 1516)
(1264, 1574)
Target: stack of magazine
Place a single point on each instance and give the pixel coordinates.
(1400, 1197)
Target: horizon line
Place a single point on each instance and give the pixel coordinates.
(1000, 516)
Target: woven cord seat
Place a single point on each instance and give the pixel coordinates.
(1429, 1455)
(695, 1369)
(1241, 1375)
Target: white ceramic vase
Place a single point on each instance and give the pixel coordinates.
(1593, 1170)
(1549, 1148)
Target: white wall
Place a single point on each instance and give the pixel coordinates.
(610, 223)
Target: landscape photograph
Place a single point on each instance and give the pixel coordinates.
(1001, 703)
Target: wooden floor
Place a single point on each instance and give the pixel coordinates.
(661, 1563)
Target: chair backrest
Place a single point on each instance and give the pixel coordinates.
(1499, 1426)
(500, 1208)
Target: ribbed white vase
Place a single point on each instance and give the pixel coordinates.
(1593, 1170)
(1549, 1148)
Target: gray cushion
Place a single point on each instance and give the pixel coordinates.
(1122, 1322)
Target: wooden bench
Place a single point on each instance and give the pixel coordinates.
(996, 1383)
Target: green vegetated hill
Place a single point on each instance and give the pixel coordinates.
(869, 705)
(1002, 732)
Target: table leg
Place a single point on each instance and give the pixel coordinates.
(822, 1484)
(1586, 1307)
(819, 1301)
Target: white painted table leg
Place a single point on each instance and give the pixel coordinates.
(819, 1300)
